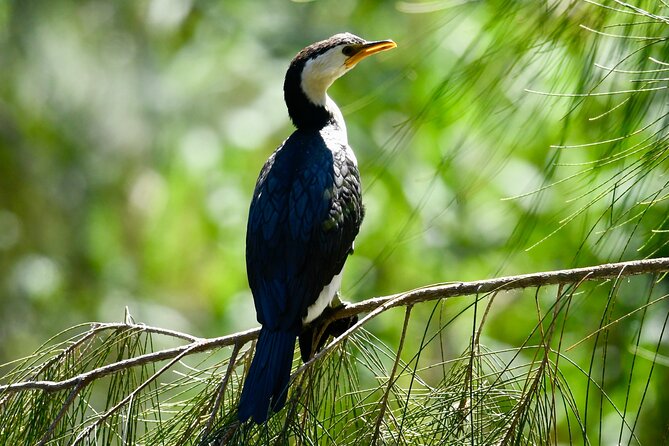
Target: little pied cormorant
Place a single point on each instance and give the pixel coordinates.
(305, 213)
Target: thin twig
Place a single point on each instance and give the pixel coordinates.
(554, 371)
(221, 391)
(148, 329)
(616, 321)
(70, 398)
(391, 379)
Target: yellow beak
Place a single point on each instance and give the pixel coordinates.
(367, 49)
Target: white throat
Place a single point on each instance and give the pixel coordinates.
(315, 88)
(320, 72)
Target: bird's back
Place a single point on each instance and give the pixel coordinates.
(305, 213)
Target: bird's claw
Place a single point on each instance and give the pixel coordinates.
(315, 334)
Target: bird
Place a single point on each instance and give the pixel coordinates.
(305, 213)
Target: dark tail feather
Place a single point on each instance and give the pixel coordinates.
(267, 380)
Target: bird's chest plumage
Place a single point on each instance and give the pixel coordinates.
(304, 216)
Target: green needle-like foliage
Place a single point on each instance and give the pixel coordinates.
(132, 384)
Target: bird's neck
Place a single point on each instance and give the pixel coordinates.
(337, 118)
(309, 106)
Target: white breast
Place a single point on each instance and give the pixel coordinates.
(324, 299)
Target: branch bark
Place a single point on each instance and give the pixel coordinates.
(560, 277)
(193, 347)
(433, 292)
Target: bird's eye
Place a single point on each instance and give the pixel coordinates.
(348, 50)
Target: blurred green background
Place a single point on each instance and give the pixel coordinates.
(132, 133)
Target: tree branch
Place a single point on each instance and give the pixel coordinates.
(434, 292)
(194, 347)
(560, 277)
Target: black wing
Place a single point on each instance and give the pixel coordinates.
(305, 213)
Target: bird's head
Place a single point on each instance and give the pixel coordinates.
(317, 66)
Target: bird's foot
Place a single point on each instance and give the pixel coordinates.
(316, 333)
